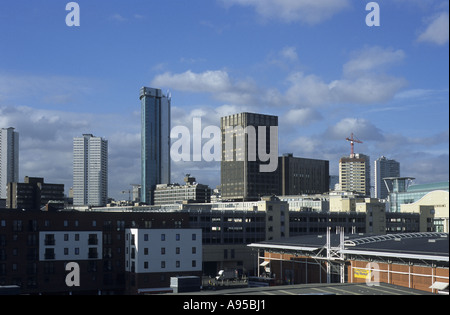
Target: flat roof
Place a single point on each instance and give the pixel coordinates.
(424, 246)
(318, 289)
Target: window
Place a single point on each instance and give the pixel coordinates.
(49, 240)
(145, 264)
(146, 237)
(66, 237)
(163, 250)
(194, 263)
(194, 237)
(177, 250)
(77, 251)
(77, 237)
(163, 237)
(146, 251)
(194, 250)
(177, 237)
(177, 264)
(66, 251)
(163, 264)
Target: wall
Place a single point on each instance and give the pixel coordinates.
(410, 276)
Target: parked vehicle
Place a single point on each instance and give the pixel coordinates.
(231, 274)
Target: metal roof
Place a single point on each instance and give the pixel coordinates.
(427, 246)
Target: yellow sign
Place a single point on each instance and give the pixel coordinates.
(362, 273)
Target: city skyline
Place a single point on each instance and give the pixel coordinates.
(326, 74)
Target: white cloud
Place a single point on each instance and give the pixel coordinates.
(364, 81)
(218, 84)
(301, 116)
(306, 11)
(372, 59)
(289, 53)
(362, 129)
(366, 90)
(307, 90)
(208, 81)
(437, 31)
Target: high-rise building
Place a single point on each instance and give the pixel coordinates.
(354, 174)
(299, 176)
(155, 141)
(9, 159)
(249, 156)
(90, 171)
(384, 168)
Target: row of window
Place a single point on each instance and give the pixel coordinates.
(50, 252)
(162, 238)
(163, 265)
(120, 224)
(49, 239)
(163, 251)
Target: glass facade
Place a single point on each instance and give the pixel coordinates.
(155, 141)
(402, 193)
(384, 168)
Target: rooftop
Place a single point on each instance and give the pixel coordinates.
(319, 289)
(424, 246)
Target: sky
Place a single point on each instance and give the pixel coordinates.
(317, 65)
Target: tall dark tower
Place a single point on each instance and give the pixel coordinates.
(155, 141)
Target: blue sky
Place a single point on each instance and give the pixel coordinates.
(315, 64)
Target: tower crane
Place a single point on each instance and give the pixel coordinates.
(352, 141)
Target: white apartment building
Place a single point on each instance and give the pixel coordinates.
(70, 245)
(163, 250)
(90, 171)
(9, 159)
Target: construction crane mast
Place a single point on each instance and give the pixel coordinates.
(352, 141)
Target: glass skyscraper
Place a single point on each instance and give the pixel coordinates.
(384, 168)
(155, 141)
(90, 171)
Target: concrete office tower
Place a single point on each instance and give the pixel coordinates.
(242, 143)
(90, 171)
(354, 174)
(9, 159)
(384, 168)
(300, 176)
(155, 141)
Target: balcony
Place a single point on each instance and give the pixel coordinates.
(92, 241)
